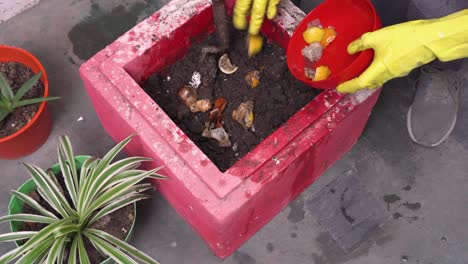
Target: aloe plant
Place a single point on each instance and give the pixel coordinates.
(99, 188)
(9, 101)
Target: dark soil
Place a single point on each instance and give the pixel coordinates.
(117, 223)
(278, 97)
(17, 74)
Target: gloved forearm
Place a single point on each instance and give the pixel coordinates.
(447, 41)
(401, 48)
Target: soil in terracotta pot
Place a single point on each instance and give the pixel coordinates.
(278, 96)
(17, 74)
(117, 223)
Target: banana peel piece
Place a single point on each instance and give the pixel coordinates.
(254, 45)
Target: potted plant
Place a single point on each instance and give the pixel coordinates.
(25, 120)
(68, 214)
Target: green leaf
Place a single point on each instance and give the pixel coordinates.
(5, 88)
(134, 190)
(28, 218)
(99, 181)
(42, 258)
(125, 176)
(4, 103)
(3, 114)
(73, 251)
(86, 168)
(68, 167)
(132, 173)
(84, 259)
(35, 253)
(54, 252)
(67, 150)
(122, 245)
(43, 182)
(33, 101)
(115, 192)
(118, 204)
(86, 185)
(52, 192)
(54, 179)
(41, 237)
(26, 87)
(114, 253)
(66, 229)
(99, 168)
(15, 236)
(61, 256)
(103, 164)
(113, 153)
(31, 202)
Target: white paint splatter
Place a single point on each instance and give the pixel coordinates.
(196, 80)
(276, 160)
(362, 95)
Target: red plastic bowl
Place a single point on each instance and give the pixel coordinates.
(351, 19)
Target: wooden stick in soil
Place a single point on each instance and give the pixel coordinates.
(222, 29)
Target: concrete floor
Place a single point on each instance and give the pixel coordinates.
(63, 33)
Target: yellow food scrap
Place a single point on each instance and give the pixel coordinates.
(244, 114)
(255, 82)
(253, 78)
(255, 44)
(328, 37)
(201, 105)
(322, 73)
(250, 119)
(313, 34)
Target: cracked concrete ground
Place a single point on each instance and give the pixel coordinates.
(422, 193)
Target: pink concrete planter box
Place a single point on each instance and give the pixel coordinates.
(225, 209)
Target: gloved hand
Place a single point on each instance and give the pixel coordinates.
(401, 48)
(257, 11)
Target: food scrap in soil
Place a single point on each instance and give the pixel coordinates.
(244, 114)
(117, 223)
(214, 127)
(253, 79)
(219, 134)
(277, 97)
(317, 38)
(226, 66)
(216, 115)
(188, 95)
(17, 74)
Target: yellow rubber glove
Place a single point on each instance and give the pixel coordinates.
(257, 11)
(401, 48)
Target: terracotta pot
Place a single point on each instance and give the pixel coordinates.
(29, 138)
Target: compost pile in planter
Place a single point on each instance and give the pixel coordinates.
(16, 75)
(117, 223)
(261, 90)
